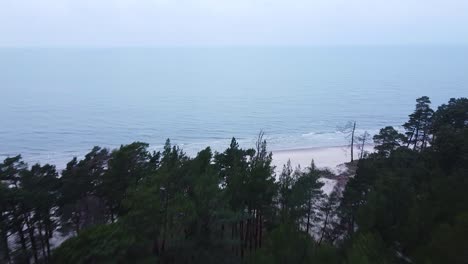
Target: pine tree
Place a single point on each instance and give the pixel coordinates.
(307, 192)
(418, 127)
(387, 140)
(80, 204)
(126, 166)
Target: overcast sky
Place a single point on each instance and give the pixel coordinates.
(232, 22)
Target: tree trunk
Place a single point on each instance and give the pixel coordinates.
(19, 227)
(410, 139)
(246, 238)
(112, 217)
(424, 139)
(156, 247)
(324, 227)
(261, 232)
(6, 249)
(416, 138)
(241, 230)
(49, 233)
(76, 219)
(232, 235)
(222, 231)
(362, 145)
(32, 239)
(235, 236)
(309, 205)
(351, 231)
(250, 234)
(256, 231)
(352, 142)
(41, 238)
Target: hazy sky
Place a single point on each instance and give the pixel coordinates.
(231, 22)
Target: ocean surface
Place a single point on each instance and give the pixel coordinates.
(56, 103)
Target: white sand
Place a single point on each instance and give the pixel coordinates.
(328, 157)
(324, 157)
(328, 185)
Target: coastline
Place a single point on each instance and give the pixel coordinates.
(324, 157)
(331, 158)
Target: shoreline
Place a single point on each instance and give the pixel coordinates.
(324, 157)
(307, 148)
(331, 158)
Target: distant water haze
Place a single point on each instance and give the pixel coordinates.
(58, 103)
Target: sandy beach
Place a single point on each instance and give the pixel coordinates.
(324, 157)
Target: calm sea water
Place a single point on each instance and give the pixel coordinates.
(57, 103)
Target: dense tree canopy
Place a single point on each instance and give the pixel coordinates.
(406, 203)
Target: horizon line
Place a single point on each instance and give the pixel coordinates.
(238, 45)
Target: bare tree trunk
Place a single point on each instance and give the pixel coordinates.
(32, 239)
(232, 236)
(308, 216)
(41, 237)
(156, 246)
(261, 232)
(19, 227)
(236, 237)
(49, 232)
(410, 139)
(425, 138)
(364, 138)
(324, 227)
(256, 230)
(249, 233)
(352, 142)
(76, 219)
(222, 231)
(112, 217)
(241, 229)
(416, 138)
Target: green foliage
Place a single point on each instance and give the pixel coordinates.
(414, 201)
(448, 243)
(419, 124)
(79, 204)
(103, 244)
(299, 195)
(27, 202)
(406, 203)
(388, 140)
(287, 244)
(126, 167)
(368, 248)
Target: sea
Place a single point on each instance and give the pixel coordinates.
(57, 103)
